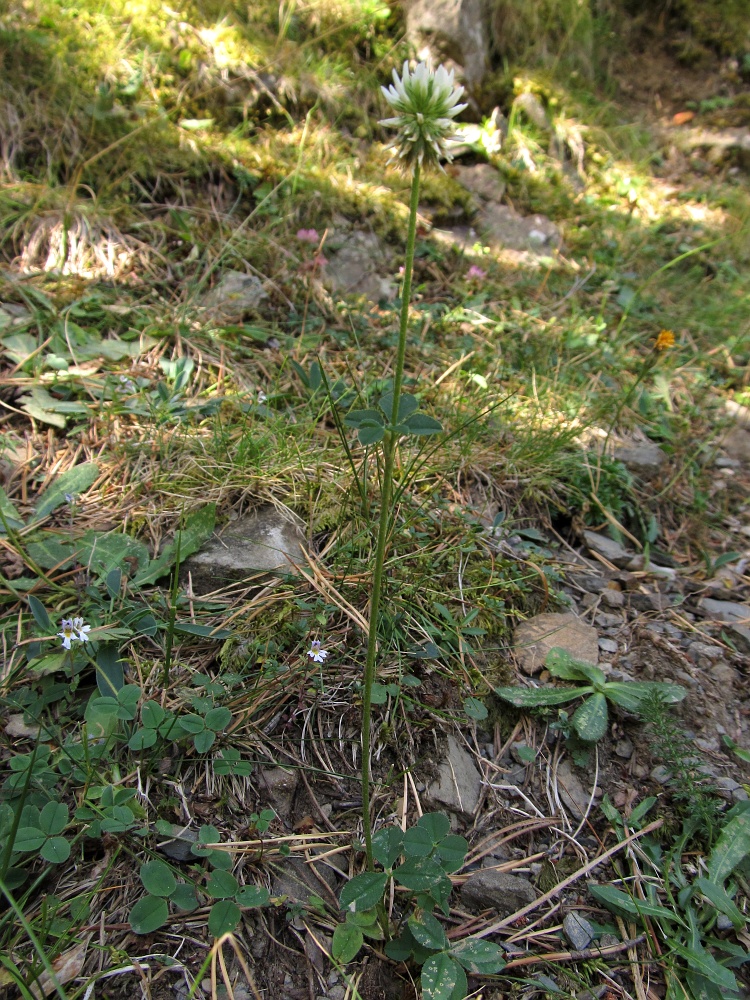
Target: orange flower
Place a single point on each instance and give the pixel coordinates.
(664, 341)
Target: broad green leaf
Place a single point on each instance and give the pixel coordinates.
(103, 554)
(149, 914)
(142, 739)
(387, 845)
(73, 482)
(421, 875)
(481, 957)
(437, 826)
(53, 818)
(41, 617)
(199, 526)
(407, 405)
(127, 698)
(222, 885)
(56, 850)
(475, 709)
(50, 553)
(192, 723)
(590, 718)
(9, 516)
(428, 931)
(370, 435)
(110, 673)
(184, 897)
(252, 896)
(223, 918)
(28, 838)
(704, 963)
(533, 697)
(363, 891)
(561, 664)
(204, 631)
(378, 694)
(719, 898)
(218, 719)
(630, 694)
(363, 418)
(204, 741)
(419, 424)
(152, 714)
(157, 878)
(347, 940)
(440, 974)
(399, 949)
(619, 902)
(640, 811)
(418, 843)
(452, 852)
(732, 847)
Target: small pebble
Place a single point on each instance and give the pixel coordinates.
(578, 931)
(608, 646)
(661, 774)
(624, 749)
(723, 923)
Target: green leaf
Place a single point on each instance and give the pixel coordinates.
(110, 673)
(732, 847)
(73, 482)
(703, 962)
(620, 903)
(428, 931)
(28, 838)
(192, 723)
(421, 875)
(127, 698)
(719, 898)
(347, 940)
(419, 424)
(50, 553)
(440, 975)
(363, 891)
(10, 516)
(199, 526)
(370, 435)
(738, 751)
(222, 885)
(157, 878)
(475, 709)
(399, 949)
(378, 694)
(452, 851)
(152, 714)
(418, 843)
(481, 957)
(590, 718)
(218, 719)
(204, 631)
(184, 897)
(387, 845)
(142, 739)
(252, 896)
(224, 918)
(561, 664)
(363, 418)
(148, 915)
(56, 850)
(437, 825)
(630, 694)
(53, 818)
(533, 697)
(40, 615)
(407, 405)
(204, 741)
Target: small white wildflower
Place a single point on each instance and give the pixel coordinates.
(68, 632)
(426, 101)
(81, 629)
(316, 654)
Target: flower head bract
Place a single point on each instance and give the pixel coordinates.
(425, 102)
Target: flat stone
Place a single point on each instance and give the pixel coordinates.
(360, 266)
(459, 783)
(698, 651)
(499, 891)
(179, 846)
(482, 180)
(736, 443)
(736, 616)
(454, 30)
(298, 880)
(235, 295)
(533, 639)
(572, 792)
(612, 551)
(279, 786)
(504, 228)
(608, 646)
(265, 541)
(614, 598)
(624, 748)
(645, 459)
(578, 931)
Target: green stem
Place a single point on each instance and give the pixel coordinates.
(389, 451)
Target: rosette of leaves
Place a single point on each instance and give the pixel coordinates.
(590, 718)
(419, 860)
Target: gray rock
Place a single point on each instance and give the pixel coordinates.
(723, 922)
(661, 774)
(605, 546)
(624, 748)
(698, 651)
(604, 620)
(504, 228)
(458, 784)
(450, 30)
(736, 616)
(533, 639)
(279, 786)
(614, 598)
(578, 931)
(736, 443)
(235, 295)
(498, 891)
(644, 459)
(482, 180)
(360, 266)
(299, 879)
(608, 646)
(648, 602)
(573, 794)
(266, 541)
(179, 845)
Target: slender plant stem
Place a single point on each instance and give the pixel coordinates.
(389, 452)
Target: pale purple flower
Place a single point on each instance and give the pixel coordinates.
(308, 236)
(81, 629)
(476, 272)
(316, 654)
(68, 632)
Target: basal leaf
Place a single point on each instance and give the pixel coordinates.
(534, 697)
(347, 940)
(732, 847)
(590, 718)
(73, 482)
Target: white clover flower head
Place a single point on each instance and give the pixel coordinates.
(68, 632)
(316, 654)
(425, 102)
(81, 629)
